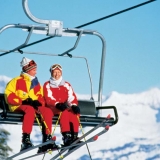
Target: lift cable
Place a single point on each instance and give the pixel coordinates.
(114, 14)
(111, 15)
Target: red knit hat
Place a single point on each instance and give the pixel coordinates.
(27, 64)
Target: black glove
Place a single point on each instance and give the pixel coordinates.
(36, 104)
(61, 106)
(76, 109)
(27, 101)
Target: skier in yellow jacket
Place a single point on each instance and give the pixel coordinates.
(24, 93)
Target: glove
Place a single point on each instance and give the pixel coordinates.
(27, 101)
(61, 106)
(75, 109)
(36, 104)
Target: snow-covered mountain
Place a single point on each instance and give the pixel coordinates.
(3, 81)
(136, 136)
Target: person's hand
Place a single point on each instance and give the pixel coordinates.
(27, 101)
(36, 104)
(75, 109)
(61, 106)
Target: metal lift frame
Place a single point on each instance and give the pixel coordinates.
(53, 28)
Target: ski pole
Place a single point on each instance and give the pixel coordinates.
(84, 137)
(40, 129)
(39, 124)
(49, 130)
(61, 156)
(44, 122)
(56, 123)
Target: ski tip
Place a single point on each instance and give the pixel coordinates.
(54, 138)
(95, 137)
(109, 116)
(107, 127)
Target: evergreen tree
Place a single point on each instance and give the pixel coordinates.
(4, 148)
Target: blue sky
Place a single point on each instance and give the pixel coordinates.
(133, 50)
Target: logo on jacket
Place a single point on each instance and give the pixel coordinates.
(24, 93)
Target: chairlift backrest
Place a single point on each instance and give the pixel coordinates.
(87, 107)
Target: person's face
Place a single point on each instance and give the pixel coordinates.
(56, 74)
(32, 72)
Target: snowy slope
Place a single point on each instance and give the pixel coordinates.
(134, 137)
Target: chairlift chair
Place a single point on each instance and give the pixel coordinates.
(90, 110)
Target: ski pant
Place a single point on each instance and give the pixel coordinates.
(67, 119)
(29, 116)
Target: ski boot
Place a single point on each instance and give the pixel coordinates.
(67, 138)
(74, 138)
(47, 137)
(26, 143)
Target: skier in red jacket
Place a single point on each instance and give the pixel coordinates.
(60, 97)
(24, 93)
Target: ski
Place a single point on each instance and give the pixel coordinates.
(59, 148)
(102, 124)
(31, 148)
(38, 154)
(95, 137)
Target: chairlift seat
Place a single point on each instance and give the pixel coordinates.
(88, 114)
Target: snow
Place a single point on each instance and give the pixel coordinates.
(3, 82)
(134, 137)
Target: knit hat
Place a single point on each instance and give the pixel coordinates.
(58, 66)
(27, 64)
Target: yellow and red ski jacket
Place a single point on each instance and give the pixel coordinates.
(19, 89)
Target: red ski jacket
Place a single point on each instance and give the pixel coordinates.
(59, 94)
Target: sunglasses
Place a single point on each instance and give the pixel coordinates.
(56, 66)
(29, 65)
